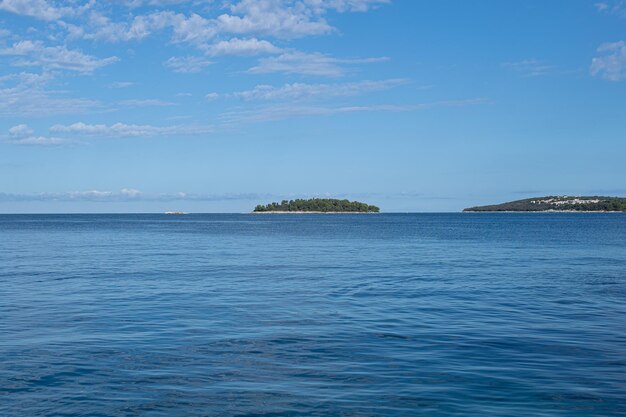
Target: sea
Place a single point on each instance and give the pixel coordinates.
(465, 314)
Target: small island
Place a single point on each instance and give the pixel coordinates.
(558, 204)
(316, 205)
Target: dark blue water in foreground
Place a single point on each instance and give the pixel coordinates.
(368, 315)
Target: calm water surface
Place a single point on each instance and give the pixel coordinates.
(352, 315)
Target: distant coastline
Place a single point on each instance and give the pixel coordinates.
(556, 204)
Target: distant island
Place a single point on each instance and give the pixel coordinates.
(317, 205)
(559, 203)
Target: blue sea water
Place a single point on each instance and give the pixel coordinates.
(351, 315)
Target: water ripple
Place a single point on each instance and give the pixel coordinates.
(389, 315)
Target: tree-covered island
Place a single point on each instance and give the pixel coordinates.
(558, 203)
(317, 205)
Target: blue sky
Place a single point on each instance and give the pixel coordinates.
(216, 106)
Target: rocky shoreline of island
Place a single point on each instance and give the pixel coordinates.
(541, 211)
(310, 212)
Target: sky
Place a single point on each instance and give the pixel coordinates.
(217, 106)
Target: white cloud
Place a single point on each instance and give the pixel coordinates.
(602, 6)
(209, 32)
(160, 3)
(616, 7)
(308, 64)
(212, 96)
(188, 64)
(344, 5)
(281, 112)
(130, 130)
(611, 64)
(236, 46)
(282, 19)
(23, 135)
(272, 18)
(529, 67)
(131, 194)
(91, 195)
(25, 94)
(297, 91)
(34, 53)
(39, 9)
(121, 84)
(146, 103)
(39, 141)
(287, 18)
(100, 27)
(194, 28)
(273, 113)
(21, 131)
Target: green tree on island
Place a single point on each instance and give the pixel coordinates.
(323, 205)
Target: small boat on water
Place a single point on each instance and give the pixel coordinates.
(175, 212)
